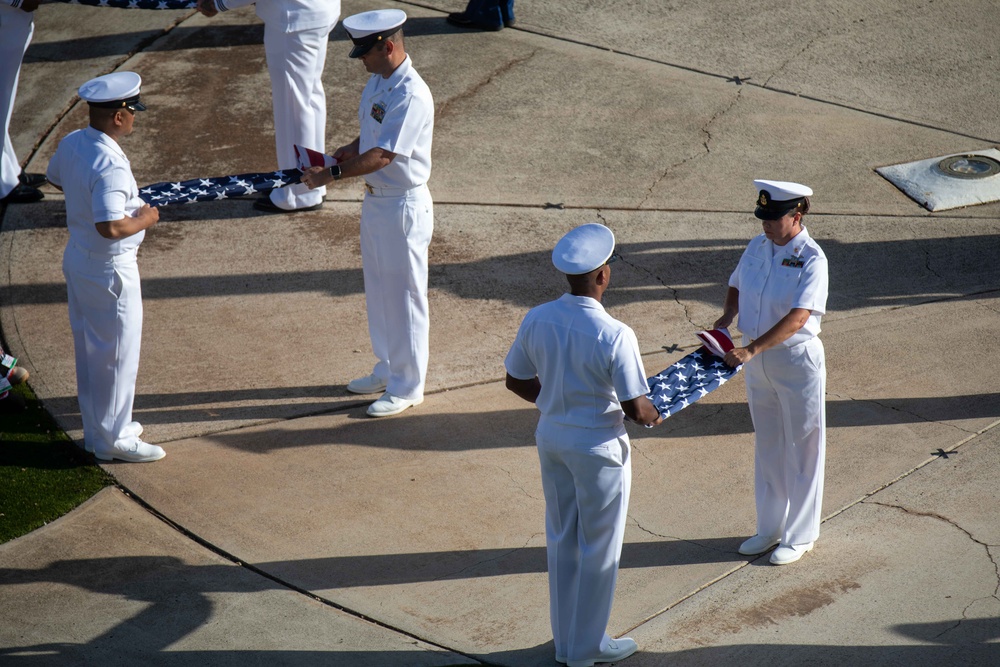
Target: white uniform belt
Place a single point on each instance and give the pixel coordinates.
(387, 192)
(101, 255)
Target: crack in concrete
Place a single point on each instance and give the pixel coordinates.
(793, 58)
(673, 290)
(705, 130)
(471, 92)
(675, 538)
(638, 450)
(927, 265)
(480, 563)
(518, 484)
(989, 306)
(650, 532)
(705, 144)
(986, 547)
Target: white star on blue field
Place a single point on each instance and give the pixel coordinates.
(683, 382)
(214, 189)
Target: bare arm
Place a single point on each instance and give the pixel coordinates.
(145, 218)
(368, 162)
(642, 411)
(526, 389)
(730, 309)
(776, 335)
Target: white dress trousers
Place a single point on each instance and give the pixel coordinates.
(296, 33)
(396, 231)
(295, 62)
(586, 487)
(105, 315)
(16, 29)
(786, 389)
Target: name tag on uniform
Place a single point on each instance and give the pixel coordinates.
(793, 262)
(378, 111)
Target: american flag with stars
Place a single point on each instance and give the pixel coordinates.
(214, 189)
(693, 377)
(137, 4)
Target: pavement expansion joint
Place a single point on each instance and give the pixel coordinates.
(232, 558)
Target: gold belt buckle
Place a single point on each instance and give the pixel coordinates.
(370, 189)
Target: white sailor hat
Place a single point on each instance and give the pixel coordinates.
(584, 249)
(777, 198)
(118, 90)
(369, 28)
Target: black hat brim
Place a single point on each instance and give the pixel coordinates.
(776, 210)
(360, 50)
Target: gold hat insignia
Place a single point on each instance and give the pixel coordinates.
(763, 199)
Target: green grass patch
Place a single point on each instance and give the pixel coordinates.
(43, 475)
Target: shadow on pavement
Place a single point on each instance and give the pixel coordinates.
(182, 599)
(203, 37)
(863, 275)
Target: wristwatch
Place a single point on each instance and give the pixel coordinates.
(335, 172)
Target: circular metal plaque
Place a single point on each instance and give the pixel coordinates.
(969, 166)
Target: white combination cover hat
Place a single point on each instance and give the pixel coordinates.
(584, 249)
(776, 198)
(113, 91)
(369, 28)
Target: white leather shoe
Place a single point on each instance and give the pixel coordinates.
(366, 385)
(137, 452)
(757, 544)
(789, 553)
(618, 649)
(390, 405)
(133, 429)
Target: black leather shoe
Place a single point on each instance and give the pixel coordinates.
(463, 20)
(265, 205)
(22, 194)
(32, 180)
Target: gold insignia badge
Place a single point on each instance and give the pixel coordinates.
(763, 199)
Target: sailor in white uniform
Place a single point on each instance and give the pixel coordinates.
(779, 289)
(296, 33)
(16, 28)
(582, 368)
(393, 153)
(107, 221)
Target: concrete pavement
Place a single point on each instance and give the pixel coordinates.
(284, 527)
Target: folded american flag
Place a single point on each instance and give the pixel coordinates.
(696, 375)
(137, 4)
(307, 157)
(213, 189)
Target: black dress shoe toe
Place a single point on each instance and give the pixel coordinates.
(22, 194)
(32, 180)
